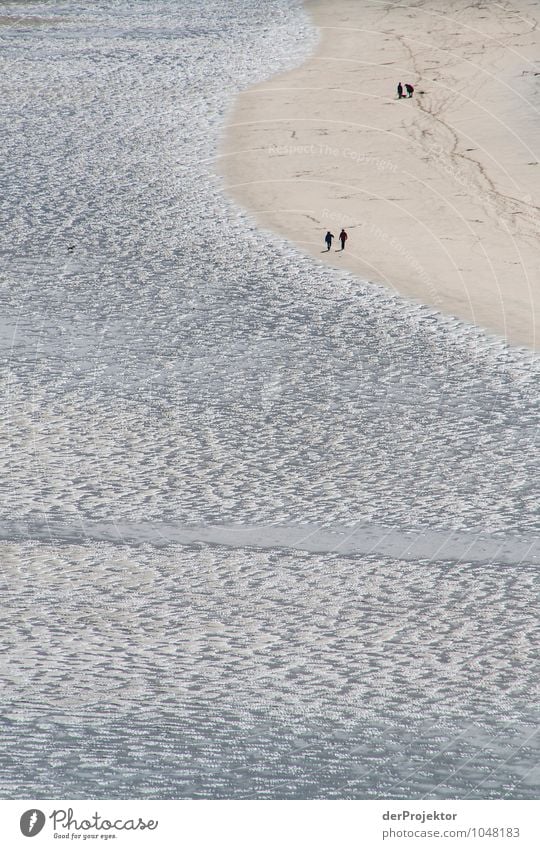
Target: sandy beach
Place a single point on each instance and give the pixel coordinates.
(438, 192)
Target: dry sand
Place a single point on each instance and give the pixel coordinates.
(439, 193)
(17, 21)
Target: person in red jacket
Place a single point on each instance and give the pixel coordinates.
(343, 238)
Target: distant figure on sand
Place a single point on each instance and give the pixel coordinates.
(328, 239)
(410, 89)
(399, 91)
(343, 238)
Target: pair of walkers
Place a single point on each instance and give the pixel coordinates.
(342, 238)
(408, 88)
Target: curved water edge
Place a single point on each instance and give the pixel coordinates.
(325, 145)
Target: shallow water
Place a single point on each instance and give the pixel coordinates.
(166, 365)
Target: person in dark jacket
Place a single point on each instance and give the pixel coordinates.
(410, 89)
(343, 238)
(328, 239)
(399, 91)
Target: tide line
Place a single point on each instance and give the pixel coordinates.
(364, 539)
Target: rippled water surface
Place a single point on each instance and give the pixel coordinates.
(267, 531)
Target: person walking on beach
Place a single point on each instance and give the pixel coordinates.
(343, 238)
(328, 239)
(399, 91)
(410, 89)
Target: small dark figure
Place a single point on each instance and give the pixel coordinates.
(343, 238)
(328, 239)
(410, 89)
(399, 91)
